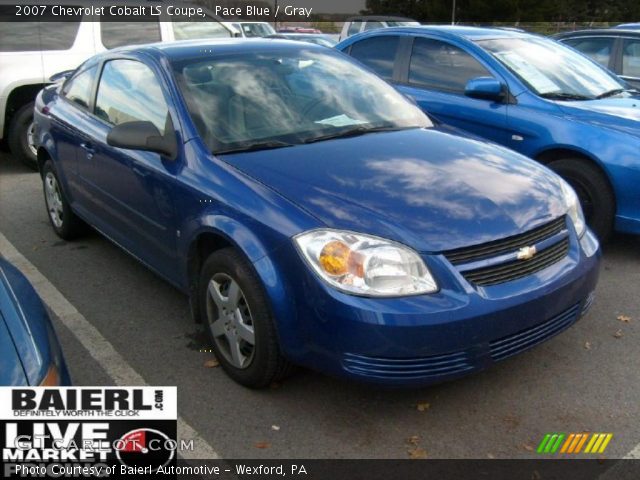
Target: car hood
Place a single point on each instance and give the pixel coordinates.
(426, 188)
(616, 113)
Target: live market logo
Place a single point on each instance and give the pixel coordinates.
(88, 431)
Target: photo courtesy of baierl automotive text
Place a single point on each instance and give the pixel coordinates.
(320, 239)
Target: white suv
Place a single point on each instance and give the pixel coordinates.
(32, 51)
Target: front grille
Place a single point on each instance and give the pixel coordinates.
(505, 245)
(525, 339)
(505, 272)
(511, 269)
(420, 367)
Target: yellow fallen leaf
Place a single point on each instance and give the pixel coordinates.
(416, 453)
(413, 440)
(624, 318)
(212, 363)
(527, 447)
(618, 334)
(423, 406)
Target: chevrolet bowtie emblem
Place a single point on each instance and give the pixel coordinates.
(526, 253)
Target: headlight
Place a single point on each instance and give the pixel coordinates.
(365, 265)
(574, 210)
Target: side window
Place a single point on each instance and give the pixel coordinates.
(440, 66)
(373, 25)
(187, 30)
(599, 49)
(129, 91)
(354, 28)
(78, 88)
(38, 36)
(117, 34)
(377, 53)
(631, 58)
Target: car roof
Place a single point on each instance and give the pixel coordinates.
(470, 33)
(617, 32)
(191, 48)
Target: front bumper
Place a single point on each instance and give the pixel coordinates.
(427, 339)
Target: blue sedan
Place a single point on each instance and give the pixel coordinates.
(528, 93)
(312, 213)
(29, 350)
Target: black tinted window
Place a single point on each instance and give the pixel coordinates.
(129, 92)
(378, 53)
(440, 66)
(118, 34)
(599, 49)
(78, 89)
(36, 36)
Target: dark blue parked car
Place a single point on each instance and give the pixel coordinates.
(29, 350)
(529, 93)
(313, 214)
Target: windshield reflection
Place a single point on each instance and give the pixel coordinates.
(250, 100)
(552, 70)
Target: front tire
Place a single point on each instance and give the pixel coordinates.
(64, 222)
(21, 136)
(596, 196)
(238, 320)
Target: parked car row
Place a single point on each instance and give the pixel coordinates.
(370, 232)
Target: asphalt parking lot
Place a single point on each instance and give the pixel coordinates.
(585, 379)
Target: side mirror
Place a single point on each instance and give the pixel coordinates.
(144, 136)
(485, 88)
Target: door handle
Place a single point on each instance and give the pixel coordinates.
(88, 147)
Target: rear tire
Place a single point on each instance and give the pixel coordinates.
(20, 137)
(64, 222)
(236, 316)
(596, 196)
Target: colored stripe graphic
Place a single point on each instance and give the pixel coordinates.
(573, 443)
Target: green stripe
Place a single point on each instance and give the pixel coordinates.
(558, 442)
(550, 443)
(543, 443)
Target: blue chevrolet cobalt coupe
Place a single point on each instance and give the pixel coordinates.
(529, 93)
(312, 213)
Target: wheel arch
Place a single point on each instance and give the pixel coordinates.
(557, 153)
(19, 96)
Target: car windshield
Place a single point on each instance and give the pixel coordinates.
(552, 70)
(257, 29)
(259, 100)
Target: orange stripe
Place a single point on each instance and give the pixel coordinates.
(584, 439)
(574, 443)
(567, 442)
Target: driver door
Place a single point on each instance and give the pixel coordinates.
(436, 77)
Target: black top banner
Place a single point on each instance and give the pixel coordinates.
(425, 11)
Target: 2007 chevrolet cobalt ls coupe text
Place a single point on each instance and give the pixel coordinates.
(312, 213)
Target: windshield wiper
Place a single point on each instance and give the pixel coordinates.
(253, 146)
(355, 131)
(564, 96)
(611, 93)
